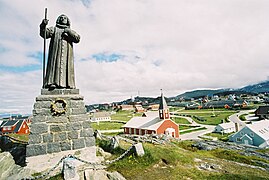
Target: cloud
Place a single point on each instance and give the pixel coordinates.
(131, 46)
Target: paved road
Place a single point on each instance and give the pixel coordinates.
(235, 118)
(196, 134)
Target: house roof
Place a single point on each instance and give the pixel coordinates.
(10, 123)
(261, 128)
(262, 110)
(101, 114)
(227, 125)
(18, 125)
(149, 123)
(2, 122)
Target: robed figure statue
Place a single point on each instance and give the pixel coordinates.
(60, 63)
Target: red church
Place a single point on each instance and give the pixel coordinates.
(161, 124)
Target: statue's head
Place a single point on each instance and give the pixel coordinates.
(63, 20)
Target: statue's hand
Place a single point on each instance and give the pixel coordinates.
(45, 21)
(67, 30)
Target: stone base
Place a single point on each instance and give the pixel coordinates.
(52, 132)
(47, 161)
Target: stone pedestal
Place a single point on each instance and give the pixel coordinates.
(59, 123)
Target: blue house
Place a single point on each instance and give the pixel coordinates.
(256, 134)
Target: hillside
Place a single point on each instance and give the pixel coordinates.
(184, 160)
(257, 88)
(250, 89)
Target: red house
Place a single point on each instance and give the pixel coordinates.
(15, 126)
(161, 124)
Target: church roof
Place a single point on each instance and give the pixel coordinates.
(149, 123)
(163, 104)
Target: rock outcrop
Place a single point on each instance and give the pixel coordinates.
(9, 170)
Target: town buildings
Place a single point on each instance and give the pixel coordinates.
(262, 112)
(14, 126)
(160, 124)
(225, 128)
(100, 116)
(256, 134)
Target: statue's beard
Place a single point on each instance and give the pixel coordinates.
(62, 26)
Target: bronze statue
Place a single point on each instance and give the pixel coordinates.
(60, 64)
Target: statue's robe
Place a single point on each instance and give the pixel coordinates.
(60, 66)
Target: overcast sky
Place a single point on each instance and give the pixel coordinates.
(131, 47)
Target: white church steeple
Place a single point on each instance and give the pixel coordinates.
(163, 108)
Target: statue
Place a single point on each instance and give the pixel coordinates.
(60, 65)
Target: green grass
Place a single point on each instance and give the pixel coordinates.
(236, 156)
(112, 134)
(124, 115)
(208, 116)
(177, 162)
(21, 137)
(224, 137)
(181, 127)
(243, 117)
(106, 125)
(180, 120)
(189, 131)
(57, 177)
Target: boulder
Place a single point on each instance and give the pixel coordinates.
(139, 150)
(9, 170)
(69, 169)
(114, 143)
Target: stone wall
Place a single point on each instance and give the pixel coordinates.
(59, 123)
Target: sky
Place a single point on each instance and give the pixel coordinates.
(136, 47)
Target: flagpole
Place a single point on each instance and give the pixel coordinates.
(44, 51)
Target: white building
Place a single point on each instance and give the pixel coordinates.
(225, 128)
(101, 116)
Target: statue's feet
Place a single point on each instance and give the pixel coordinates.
(51, 87)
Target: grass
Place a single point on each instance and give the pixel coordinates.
(21, 137)
(236, 156)
(224, 137)
(181, 127)
(206, 116)
(177, 162)
(113, 134)
(180, 120)
(188, 131)
(243, 117)
(106, 125)
(124, 115)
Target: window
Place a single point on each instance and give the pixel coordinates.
(252, 134)
(238, 139)
(23, 126)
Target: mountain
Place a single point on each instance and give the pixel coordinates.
(257, 88)
(253, 89)
(199, 93)
(261, 87)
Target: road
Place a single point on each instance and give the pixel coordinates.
(196, 134)
(235, 118)
(210, 128)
